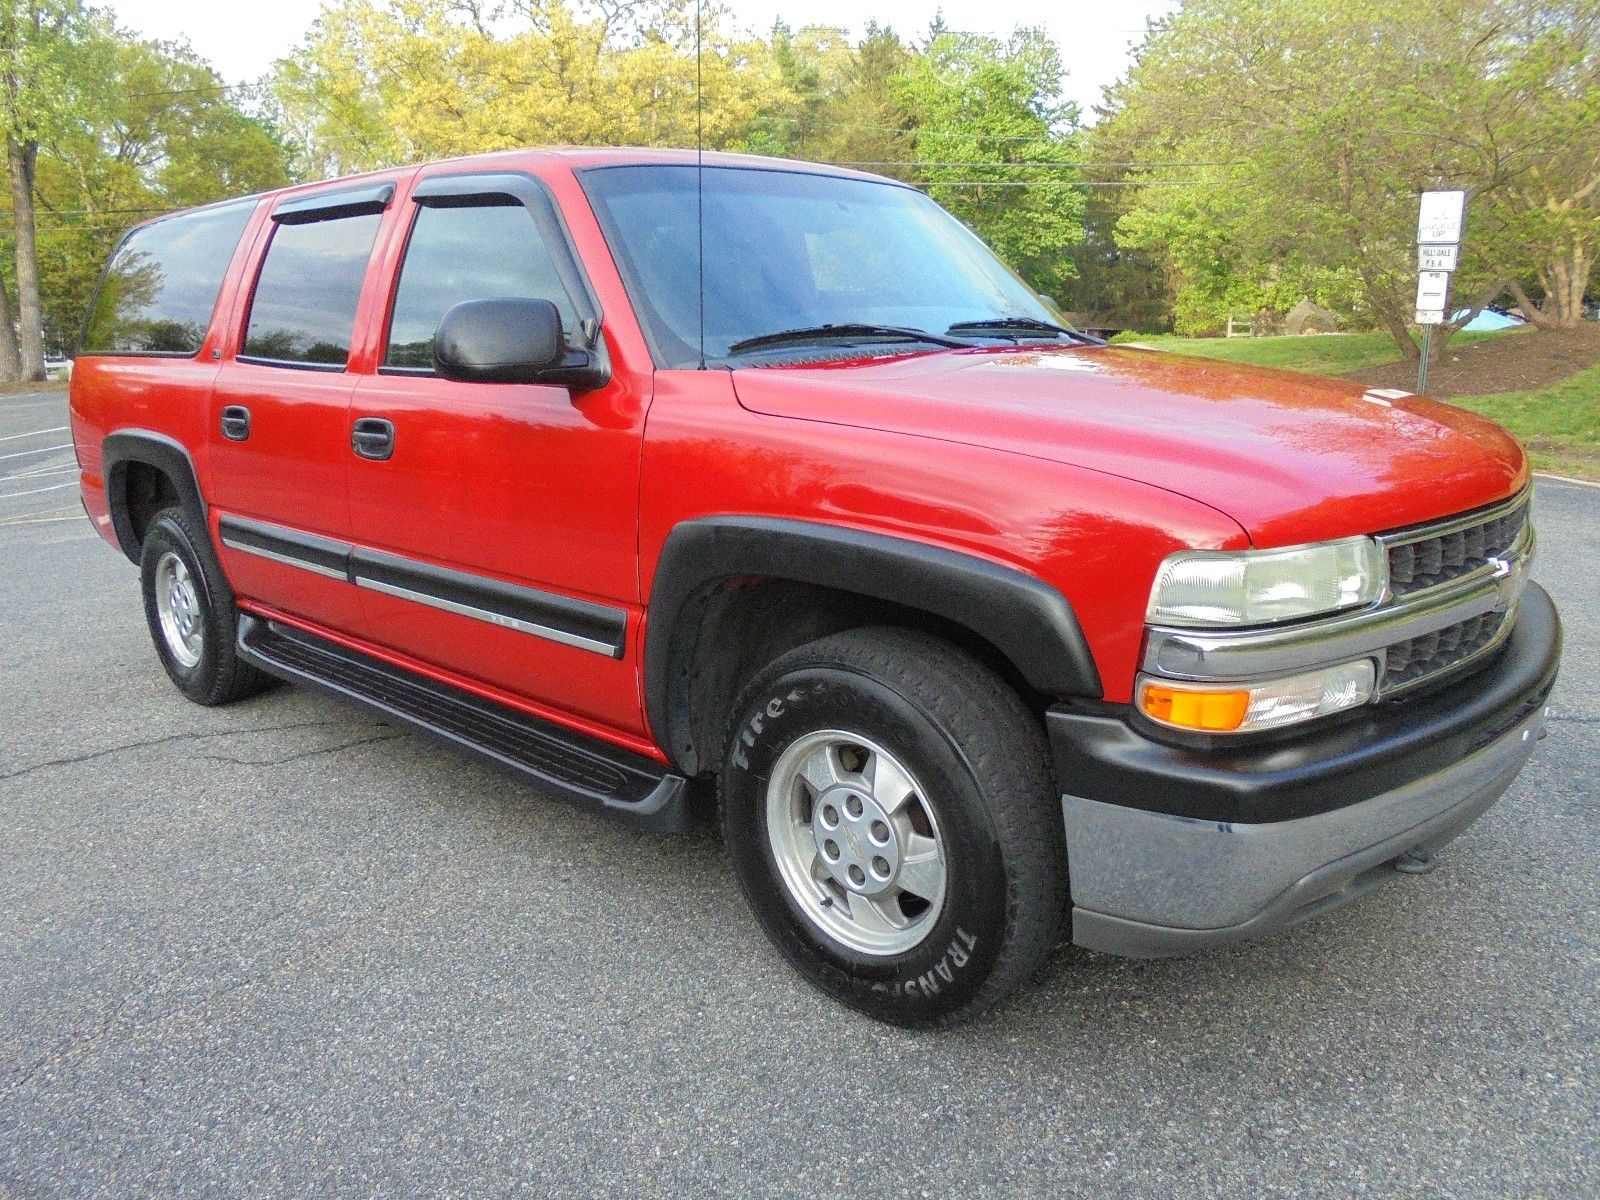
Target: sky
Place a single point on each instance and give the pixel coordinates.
(241, 40)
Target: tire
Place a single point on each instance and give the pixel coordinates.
(189, 608)
(849, 722)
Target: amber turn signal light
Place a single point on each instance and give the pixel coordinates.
(1214, 711)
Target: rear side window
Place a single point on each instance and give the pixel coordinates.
(304, 307)
(467, 252)
(161, 286)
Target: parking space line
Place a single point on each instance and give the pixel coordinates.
(35, 450)
(55, 487)
(35, 519)
(39, 473)
(11, 437)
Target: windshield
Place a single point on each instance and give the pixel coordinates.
(787, 250)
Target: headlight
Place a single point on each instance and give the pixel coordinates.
(1260, 587)
(1245, 707)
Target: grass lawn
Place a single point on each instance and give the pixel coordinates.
(1559, 424)
(1320, 354)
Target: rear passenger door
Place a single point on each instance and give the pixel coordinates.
(280, 436)
(498, 535)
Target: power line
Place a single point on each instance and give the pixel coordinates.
(95, 212)
(194, 91)
(1056, 183)
(1127, 166)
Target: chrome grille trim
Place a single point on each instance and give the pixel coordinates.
(1254, 655)
(1515, 511)
(1393, 682)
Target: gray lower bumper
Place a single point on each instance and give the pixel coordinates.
(1150, 884)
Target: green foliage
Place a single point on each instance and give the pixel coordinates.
(382, 81)
(379, 81)
(1285, 142)
(132, 128)
(980, 107)
(1117, 286)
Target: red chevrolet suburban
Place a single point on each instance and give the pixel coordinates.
(634, 476)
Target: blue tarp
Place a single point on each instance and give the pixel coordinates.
(1488, 320)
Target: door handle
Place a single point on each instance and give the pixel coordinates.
(373, 437)
(236, 422)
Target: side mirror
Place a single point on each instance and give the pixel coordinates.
(511, 341)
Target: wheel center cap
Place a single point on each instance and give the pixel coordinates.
(857, 840)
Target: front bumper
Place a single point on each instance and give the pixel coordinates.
(1172, 850)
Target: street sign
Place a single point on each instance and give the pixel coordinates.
(1433, 297)
(1437, 258)
(1441, 217)
(1433, 289)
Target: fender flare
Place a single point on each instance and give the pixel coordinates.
(168, 456)
(1024, 618)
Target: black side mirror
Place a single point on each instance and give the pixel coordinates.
(511, 341)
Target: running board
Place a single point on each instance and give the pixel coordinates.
(583, 770)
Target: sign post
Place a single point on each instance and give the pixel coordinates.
(1440, 220)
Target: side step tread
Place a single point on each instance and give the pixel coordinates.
(584, 770)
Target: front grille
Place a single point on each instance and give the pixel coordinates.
(1429, 560)
(1419, 658)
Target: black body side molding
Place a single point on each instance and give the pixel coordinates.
(154, 450)
(1026, 619)
(583, 770)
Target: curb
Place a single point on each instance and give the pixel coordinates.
(1588, 483)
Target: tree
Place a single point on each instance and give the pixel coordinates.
(39, 40)
(153, 129)
(995, 143)
(378, 82)
(1285, 143)
(1541, 142)
(1117, 286)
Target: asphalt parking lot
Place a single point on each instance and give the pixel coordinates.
(280, 948)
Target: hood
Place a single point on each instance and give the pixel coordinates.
(1291, 457)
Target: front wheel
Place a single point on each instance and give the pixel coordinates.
(888, 807)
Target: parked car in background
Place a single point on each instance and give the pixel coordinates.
(57, 366)
(985, 633)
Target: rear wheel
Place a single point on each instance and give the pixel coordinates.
(888, 806)
(191, 614)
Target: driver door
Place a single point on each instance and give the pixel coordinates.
(496, 524)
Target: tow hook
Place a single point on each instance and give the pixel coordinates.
(1416, 861)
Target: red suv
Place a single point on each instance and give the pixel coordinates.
(629, 475)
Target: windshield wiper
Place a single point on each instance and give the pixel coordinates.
(847, 330)
(1021, 325)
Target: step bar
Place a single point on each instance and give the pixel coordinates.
(583, 770)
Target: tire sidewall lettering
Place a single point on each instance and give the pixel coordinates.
(951, 963)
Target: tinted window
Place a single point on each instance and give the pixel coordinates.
(467, 253)
(158, 292)
(785, 249)
(305, 301)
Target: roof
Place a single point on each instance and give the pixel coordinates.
(573, 157)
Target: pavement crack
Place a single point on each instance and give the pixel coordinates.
(167, 739)
(297, 755)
